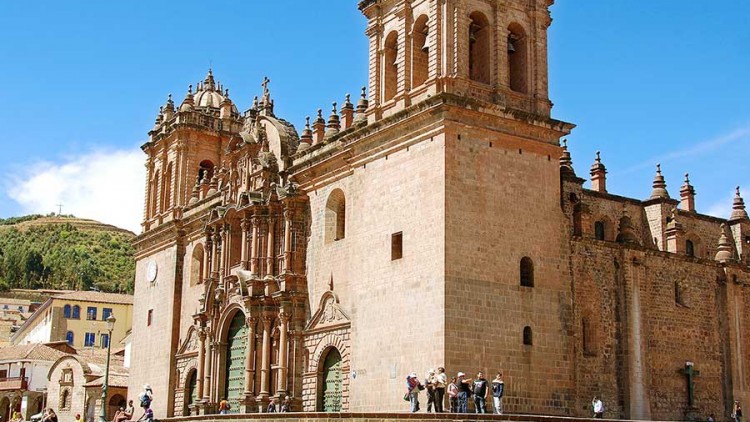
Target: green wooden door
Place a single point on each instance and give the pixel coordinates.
(333, 382)
(192, 392)
(235, 363)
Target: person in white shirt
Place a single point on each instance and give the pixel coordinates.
(598, 406)
(441, 380)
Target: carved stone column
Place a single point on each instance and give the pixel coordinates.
(245, 225)
(216, 260)
(207, 257)
(250, 357)
(283, 351)
(288, 216)
(254, 246)
(270, 243)
(207, 372)
(265, 370)
(201, 361)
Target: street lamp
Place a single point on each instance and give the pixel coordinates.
(103, 411)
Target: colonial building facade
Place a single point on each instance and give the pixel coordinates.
(437, 222)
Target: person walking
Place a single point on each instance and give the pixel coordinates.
(453, 395)
(440, 381)
(464, 391)
(498, 388)
(598, 406)
(413, 386)
(480, 388)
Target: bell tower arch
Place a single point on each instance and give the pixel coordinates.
(490, 50)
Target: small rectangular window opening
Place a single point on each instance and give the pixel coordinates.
(150, 317)
(397, 251)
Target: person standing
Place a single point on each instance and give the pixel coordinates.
(223, 406)
(453, 395)
(413, 386)
(737, 411)
(480, 387)
(464, 391)
(429, 384)
(440, 381)
(498, 388)
(598, 406)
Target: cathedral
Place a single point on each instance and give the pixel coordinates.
(434, 220)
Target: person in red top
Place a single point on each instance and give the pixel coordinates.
(413, 386)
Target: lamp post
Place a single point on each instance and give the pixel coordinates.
(103, 411)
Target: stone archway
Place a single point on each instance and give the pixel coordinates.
(331, 382)
(234, 363)
(5, 408)
(191, 392)
(114, 404)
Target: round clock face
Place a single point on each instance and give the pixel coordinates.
(151, 271)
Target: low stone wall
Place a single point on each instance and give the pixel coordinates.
(376, 417)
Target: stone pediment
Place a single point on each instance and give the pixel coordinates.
(329, 314)
(191, 343)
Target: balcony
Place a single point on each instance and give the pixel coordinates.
(14, 383)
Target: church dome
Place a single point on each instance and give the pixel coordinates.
(209, 95)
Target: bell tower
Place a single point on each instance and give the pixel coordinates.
(493, 51)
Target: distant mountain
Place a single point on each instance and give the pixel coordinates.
(65, 252)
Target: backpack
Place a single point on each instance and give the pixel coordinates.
(145, 401)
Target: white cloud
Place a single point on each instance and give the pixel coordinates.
(102, 185)
(723, 207)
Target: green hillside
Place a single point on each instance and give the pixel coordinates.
(64, 252)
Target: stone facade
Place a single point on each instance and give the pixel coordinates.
(437, 222)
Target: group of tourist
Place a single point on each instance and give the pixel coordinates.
(273, 406)
(459, 390)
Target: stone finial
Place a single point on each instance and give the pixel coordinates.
(598, 175)
(724, 252)
(307, 135)
(319, 127)
(347, 113)
(195, 195)
(209, 84)
(738, 207)
(362, 105)
(566, 163)
(687, 195)
(625, 231)
(659, 186)
(333, 122)
(188, 103)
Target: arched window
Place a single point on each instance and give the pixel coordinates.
(390, 66)
(196, 265)
(527, 336)
(527, 272)
(155, 194)
(479, 48)
(420, 52)
(205, 170)
(335, 216)
(599, 230)
(76, 312)
(69, 337)
(167, 189)
(589, 336)
(517, 59)
(689, 248)
(66, 311)
(65, 399)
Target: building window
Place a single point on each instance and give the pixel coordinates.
(69, 337)
(106, 312)
(66, 310)
(150, 317)
(205, 171)
(76, 312)
(390, 66)
(527, 272)
(599, 230)
(104, 341)
(689, 248)
(589, 336)
(397, 251)
(89, 340)
(196, 265)
(517, 58)
(527, 336)
(335, 216)
(420, 52)
(20, 309)
(91, 313)
(479, 48)
(65, 399)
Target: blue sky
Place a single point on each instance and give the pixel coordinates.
(82, 81)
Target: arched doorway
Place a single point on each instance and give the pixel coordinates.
(190, 392)
(114, 405)
(332, 382)
(234, 386)
(5, 408)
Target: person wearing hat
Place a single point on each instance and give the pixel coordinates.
(464, 391)
(441, 380)
(413, 386)
(429, 384)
